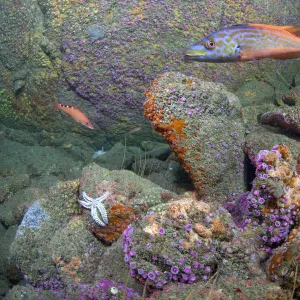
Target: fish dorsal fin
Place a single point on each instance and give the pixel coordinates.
(290, 29)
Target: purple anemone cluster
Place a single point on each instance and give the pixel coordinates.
(186, 269)
(267, 209)
(106, 289)
(166, 248)
(103, 289)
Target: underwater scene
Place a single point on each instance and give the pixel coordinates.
(150, 149)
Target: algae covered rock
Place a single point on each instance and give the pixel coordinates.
(118, 157)
(61, 237)
(255, 92)
(177, 241)
(124, 186)
(201, 121)
(292, 97)
(282, 265)
(29, 292)
(224, 288)
(263, 138)
(108, 51)
(52, 229)
(286, 117)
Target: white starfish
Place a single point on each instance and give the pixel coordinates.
(95, 205)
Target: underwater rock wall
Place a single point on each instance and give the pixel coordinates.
(108, 51)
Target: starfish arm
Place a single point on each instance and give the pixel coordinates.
(103, 197)
(95, 216)
(102, 212)
(86, 197)
(85, 204)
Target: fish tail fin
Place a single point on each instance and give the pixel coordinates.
(56, 106)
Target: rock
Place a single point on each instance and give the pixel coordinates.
(13, 209)
(251, 114)
(117, 52)
(161, 153)
(202, 123)
(4, 286)
(292, 97)
(54, 226)
(12, 183)
(269, 211)
(95, 33)
(18, 85)
(28, 292)
(297, 79)
(168, 243)
(176, 174)
(255, 92)
(224, 289)
(8, 267)
(286, 117)
(33, 218)
(151, 145)
(125, 186)
(116, 158)
(174, 178)
(264, 138)
(37, 161)
(136, 151)
(281, 266)
(163, 181)
(144, 166)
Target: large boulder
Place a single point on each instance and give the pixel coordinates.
(202, 123)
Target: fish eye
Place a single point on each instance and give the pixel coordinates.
(210, 45)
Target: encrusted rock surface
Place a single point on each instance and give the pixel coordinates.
(292, 97)
(108, 51)
(201, 121)
(178, 241)
(286, 117)
(265, 138)
(171, 239)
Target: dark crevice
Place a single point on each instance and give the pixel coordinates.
(249, 172)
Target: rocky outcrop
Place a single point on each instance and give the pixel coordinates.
(202, 123)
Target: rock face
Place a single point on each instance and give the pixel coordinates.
(263, 138)
(286, 117)
(57, 226)
(292, 97)
(255, 92)
(176, 243)
(203, 126)
(108, 51)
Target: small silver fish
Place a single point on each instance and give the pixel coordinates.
(136, 129)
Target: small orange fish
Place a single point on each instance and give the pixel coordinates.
(75, 113)
(246, 42)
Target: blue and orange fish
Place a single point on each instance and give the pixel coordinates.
(246, 42)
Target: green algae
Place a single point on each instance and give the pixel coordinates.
(6, 106)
